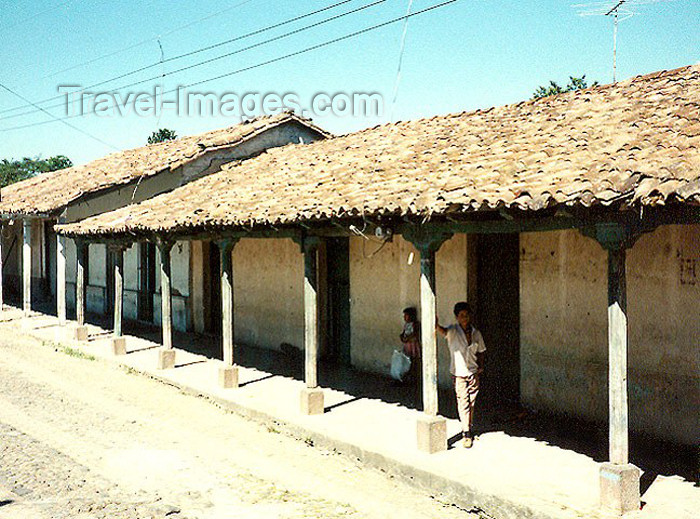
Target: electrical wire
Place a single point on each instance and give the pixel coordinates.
(402, 49)
(273, 60)
(185, 55)
(59, 119)
(35, 15)
(149, 40)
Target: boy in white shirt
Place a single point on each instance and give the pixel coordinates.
(467, 349)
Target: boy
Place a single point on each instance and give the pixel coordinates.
(467, 349)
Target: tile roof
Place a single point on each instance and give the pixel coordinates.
(51, 192)
(634, 142)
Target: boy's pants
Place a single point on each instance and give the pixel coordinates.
(466, 389)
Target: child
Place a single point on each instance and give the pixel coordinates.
(467, 349)
(410, 337)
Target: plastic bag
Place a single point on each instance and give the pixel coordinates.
(400, 364)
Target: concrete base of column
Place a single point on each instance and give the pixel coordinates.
(166, 359)
(118, 346)
(228, 377)
(312, 401)
(431, 432)
(75, 332)
(619, 488)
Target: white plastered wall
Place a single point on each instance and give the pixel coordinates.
(179, 286)
(383, 284)
(563, 278)
(268, 279)
(131, 282)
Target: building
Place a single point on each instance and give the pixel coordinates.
(30, 209)
(572, 223)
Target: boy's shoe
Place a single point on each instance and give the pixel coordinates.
(467, 441)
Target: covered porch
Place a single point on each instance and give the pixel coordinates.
(370, 419)
(327, 387)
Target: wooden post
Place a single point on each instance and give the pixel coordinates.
(431, 429)
(27, 267)
(118, 340)
(312, 395)
(619, 480)
(228, 374)
(428, 337)
(617, 357)
(118, 253)
(61, 279)
(166, 358)
(82, 249)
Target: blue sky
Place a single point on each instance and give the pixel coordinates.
(467, 55)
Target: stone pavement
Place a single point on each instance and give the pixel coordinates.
(503, 475)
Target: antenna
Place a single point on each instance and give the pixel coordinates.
(614, 11)
(614, 8)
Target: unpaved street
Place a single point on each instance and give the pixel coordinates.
(82, 439)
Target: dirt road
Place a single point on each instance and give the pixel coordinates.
(83, 439)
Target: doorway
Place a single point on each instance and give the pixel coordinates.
(337, 316)
(212, 288)
(498, 315)
(147, 281)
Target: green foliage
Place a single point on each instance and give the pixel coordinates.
(162, 135)
(575, 83)
(12, 171)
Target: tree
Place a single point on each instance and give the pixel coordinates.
(12, 171)
(162, 135)
(575, 83)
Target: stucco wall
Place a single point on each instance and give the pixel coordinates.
(179, 286)
(97, 279)
(382, 285)
(268, 286)
(131, 282)
(563, 278)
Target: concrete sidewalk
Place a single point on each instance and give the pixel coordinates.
(502, 475)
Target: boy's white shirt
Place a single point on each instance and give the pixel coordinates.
(462, 354)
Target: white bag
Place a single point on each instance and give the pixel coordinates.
(400, 364)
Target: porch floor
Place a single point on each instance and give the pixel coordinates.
(521, 465)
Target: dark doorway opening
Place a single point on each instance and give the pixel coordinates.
(147, 281)
(109, 292)
(212, 288)
(498, 316)
(337, 316)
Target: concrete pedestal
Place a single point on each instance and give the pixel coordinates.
(431, 432)
(118, 346)
(619, 488)
(166, 358)
(228, 377)
(312, 401)
(75, 332)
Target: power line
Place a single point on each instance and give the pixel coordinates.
(274, 60)
(238, 38)
(198, 64)
(35, 15)
(402, 48)
(148, 40)
(59, 119)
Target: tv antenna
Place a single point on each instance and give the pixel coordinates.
(619, 10)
